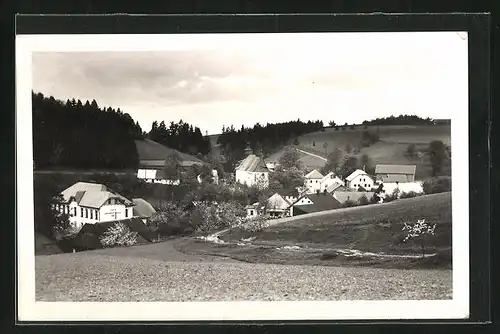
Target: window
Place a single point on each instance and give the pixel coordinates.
(251, 212)
(74, 211)
(97, 215)
(91, 214)
(126, 213)
(86, 213)
(81, 212)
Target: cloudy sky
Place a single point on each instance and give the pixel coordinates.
(341, 77)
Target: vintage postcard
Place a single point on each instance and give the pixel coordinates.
(304, 176)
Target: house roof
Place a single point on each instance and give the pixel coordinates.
(321, 202)
(92, 195)
(89, 235)
(354, 174)
(343, 196)
(395, 178)
(151, 153)
(314, 174)
(253, 163)
(143, 208)
(278, 201)
(395, 169)
(333, 187)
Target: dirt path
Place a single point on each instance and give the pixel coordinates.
(163, 251)
(311, 154)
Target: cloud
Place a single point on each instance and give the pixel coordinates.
(344, 77)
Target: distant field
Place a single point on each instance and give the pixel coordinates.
(391, 148)
(374, 228)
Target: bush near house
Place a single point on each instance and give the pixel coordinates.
(118, 235)
(439, 184)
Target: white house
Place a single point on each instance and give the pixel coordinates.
(91, 203)
(359, 178)
(252, 171)
(277, 206)
(329, 180)
(155, 176)
(312, 181)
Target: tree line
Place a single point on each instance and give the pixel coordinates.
(74, 134)
(263, 140)
(181, 136)
(400, 120)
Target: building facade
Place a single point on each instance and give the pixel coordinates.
(395, 173)
(252, 171)
(92, 203)
(359, 178)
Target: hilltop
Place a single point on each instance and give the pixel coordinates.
(390, 149)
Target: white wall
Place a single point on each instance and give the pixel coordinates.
(114, 212)
(251, 178)
(361, 180)
(312, 185)
(304, 201)
(404, 187)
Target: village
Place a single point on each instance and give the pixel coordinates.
(92, 208)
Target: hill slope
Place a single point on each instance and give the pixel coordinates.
(151, 150)
(390, 149)
(373, 228)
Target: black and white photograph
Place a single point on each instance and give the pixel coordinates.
(243, 176)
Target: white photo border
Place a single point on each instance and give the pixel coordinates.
(31, 310)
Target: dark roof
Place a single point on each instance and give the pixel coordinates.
(152, 153)
(253, 163)
(321, 202)
(89, 235)
(395, 169)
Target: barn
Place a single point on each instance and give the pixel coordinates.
(395, 173)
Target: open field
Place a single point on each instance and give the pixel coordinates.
(391, 148)
(159, 273)
(372, 228)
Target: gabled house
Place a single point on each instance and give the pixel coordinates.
(92, 203)
(252, 171)
(152, 157)
(395, 173)
(310, 203)
(312, 181)
(359, 178)
(253, 210)
(329, 180)
(143, 209)
(277, 206)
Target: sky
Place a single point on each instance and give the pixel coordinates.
(345, 77)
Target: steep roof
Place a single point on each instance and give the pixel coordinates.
(277, 201)
(321, 202)
(314, 175)
(395, 169)
(151, 153)
(143, 208)
(333, 187)
(395, 178)
(355, 173)
(92, 195)
(252, 163)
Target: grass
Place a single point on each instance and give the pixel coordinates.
(324, 238)
(373, 228)
(391, 148)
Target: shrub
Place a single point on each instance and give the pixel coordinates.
(419, 231)
(349, 203)
(437, 184)
(118, 234)
(408, 194)
(256, 224)
(363, 200)
(214, 217)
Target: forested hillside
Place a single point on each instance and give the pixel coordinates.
(73, 134)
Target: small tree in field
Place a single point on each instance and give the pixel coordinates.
(118, 235)
(419, 231)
